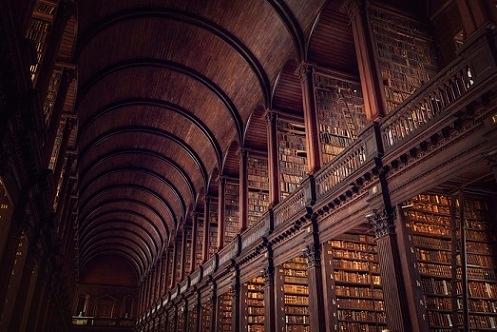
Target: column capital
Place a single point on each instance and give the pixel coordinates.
(305, 69)
(268, 273)
(270, 116)
(382, 222)
(313, 254)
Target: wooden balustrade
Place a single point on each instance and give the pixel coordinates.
(209, 266)
(293, 204)
(256, 232)
(435, 98)
(343, 166)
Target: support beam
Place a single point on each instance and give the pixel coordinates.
(473, 15)
(173, 270)
(372, 91)
(205, 240)
(183, 254)
(396, 307)
(315, 277)
(193, 247)
(221, 212)
(243, 190)
(269, 295)
(272, 157)
(312, 142)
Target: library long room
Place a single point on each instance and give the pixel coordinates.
(248, 165)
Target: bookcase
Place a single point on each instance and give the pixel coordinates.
(341, 116)
(480, 240)
(452, 257)
(198, 240)
(291, 155)
(254, 305)
(294, 291)
(188, 246)
(232, 220)
(206, 317)
(38, 30)
(213, 229)
(406, 54)
(258, 187)
(353, 283)
(225, 310)
(192, 317)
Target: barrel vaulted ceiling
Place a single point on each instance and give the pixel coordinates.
(165, 88)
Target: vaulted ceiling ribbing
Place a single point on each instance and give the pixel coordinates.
(165, 88)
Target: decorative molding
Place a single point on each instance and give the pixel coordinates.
(382, 222)
(313, 254)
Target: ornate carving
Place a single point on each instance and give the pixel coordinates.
(313, 255)
(270, 116)
(268, 273)
(382, 222)
(304, 70)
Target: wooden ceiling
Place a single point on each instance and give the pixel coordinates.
(165, 93)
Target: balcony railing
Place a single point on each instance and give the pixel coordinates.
(475, 66)
(346, 164)
(430, 102)
(290, 206)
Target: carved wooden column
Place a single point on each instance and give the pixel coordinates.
(243, 190)
(183, 254)
(144, 298)
(372, 91)
(221, 212)
(140, 297)
(193, 247)
(155, 286)
(158, 282)
(315, 278)
(396, 306)
(236, 303)
(68, 76)
(310, 118)
(205, 242)
(272, 158)
(163, 265)
(165, 286)
(473, 15)
(148, 298)
(269, 295)
(214, 307)
(198, 305)
(185, 315)
(173, 265)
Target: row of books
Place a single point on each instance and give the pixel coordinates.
(295, 294)
(356, 283)
(206, 317)
(436, 253)
(225, 310)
